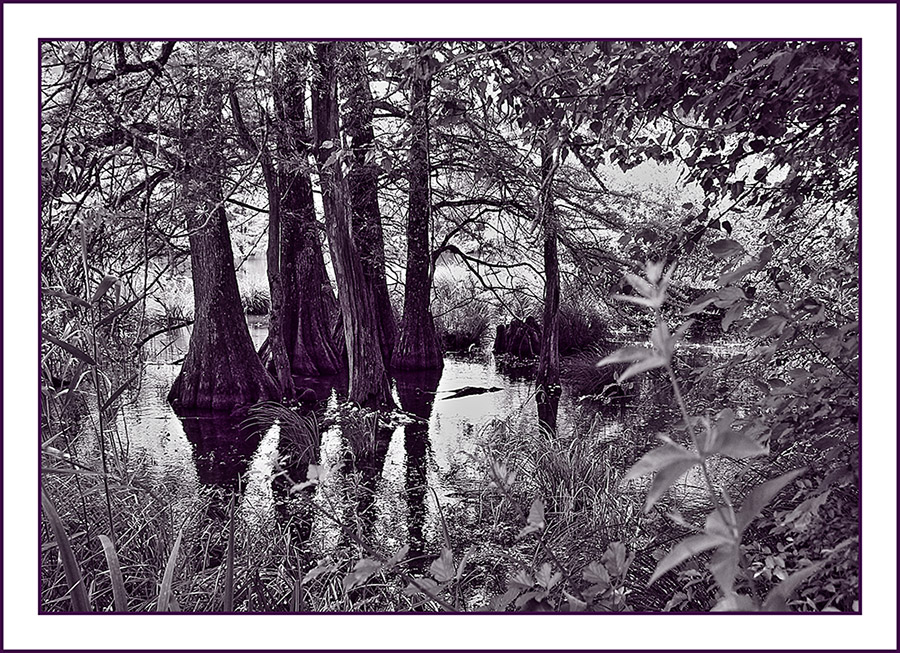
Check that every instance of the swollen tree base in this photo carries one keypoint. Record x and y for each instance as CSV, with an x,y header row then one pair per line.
x,y
418,347
221,373
221,379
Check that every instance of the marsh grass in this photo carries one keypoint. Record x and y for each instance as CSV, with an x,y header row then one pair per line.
x,y
174,303
299,432
255,300
582,374
360,428
581,326
462,315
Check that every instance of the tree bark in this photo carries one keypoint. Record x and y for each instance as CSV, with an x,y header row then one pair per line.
x,y
548,363
369,384
221,369
418,348
310,307
362,182
277,346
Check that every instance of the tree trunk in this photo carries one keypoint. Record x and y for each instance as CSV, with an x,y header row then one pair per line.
x,y
310,305
368,380
277,346
418,348
221,369
548,364
362,182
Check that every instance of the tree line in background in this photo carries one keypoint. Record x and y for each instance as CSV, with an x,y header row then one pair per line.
x,y
155,140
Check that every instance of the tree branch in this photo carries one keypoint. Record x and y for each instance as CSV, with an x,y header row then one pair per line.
x,y
122,67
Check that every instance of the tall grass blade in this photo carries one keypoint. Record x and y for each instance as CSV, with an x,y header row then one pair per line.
x,y
118,393
72,349
166,597
107,283
78,593
229,561
120,597
295,596
124,308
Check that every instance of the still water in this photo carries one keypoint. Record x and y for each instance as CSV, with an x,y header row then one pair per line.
x,y
423,463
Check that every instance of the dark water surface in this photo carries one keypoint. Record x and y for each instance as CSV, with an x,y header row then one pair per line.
x,y
419,466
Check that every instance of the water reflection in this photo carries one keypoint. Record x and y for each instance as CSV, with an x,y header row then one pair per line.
x,y
223,447
416,392
388,482
367,440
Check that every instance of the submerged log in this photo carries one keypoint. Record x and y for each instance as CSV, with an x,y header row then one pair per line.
x,y
470,391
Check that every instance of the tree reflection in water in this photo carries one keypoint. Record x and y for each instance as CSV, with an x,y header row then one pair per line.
x,y
416,392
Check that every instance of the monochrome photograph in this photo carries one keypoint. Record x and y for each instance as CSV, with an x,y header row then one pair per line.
x,y
449,326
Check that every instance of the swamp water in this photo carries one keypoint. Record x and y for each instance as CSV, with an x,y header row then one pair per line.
x,y
425,458
417,477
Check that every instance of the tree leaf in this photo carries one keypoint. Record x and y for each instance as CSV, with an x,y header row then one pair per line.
x,y
500,603
72,349
425,586
739,273
684,550
761,495
442,568
724,567
737,445
535,519
641,301
397,557
615,558
642,286
323,567
596,574
626,355
658,458
722,523
735,603
722,298
649,364
727,296
734,313
777,599
725,247
575,604
665,478
767,326
362,571
521,580
545,576
536,514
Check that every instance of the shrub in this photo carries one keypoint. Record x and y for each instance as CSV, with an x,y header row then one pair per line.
x,y
581,327
175,303
462,317
584,376
740,546
255,298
